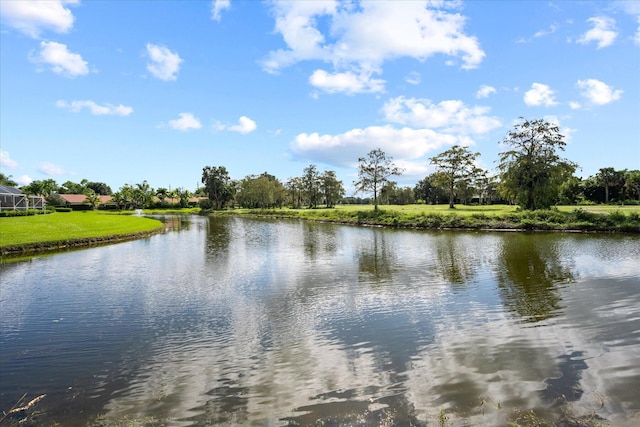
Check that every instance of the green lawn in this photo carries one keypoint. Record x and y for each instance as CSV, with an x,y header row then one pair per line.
x,y
63,226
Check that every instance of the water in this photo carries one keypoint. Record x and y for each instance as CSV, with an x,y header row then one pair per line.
x,y
255,322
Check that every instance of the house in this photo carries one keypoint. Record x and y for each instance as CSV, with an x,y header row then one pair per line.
x,y
78,201
11,198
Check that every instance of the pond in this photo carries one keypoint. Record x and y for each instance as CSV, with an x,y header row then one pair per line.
x,y
263,322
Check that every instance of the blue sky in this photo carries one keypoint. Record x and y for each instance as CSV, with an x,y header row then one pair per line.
x,y
126,91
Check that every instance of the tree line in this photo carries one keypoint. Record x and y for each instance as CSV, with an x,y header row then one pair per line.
x,y
530,173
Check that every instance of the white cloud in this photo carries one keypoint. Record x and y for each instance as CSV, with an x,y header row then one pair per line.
x,y
60,59
163,63
185,122
245,125
217,7
7,161
636,37
343,149
597,92
31,17
50,169
485,91
575,105
96,110
552,29
348,82
603,32
360,38
539,94
413,78
24,180
451,116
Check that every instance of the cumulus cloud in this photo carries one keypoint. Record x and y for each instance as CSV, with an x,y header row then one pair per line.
x,y
603,32
358,40
7,161
217,7
245,125
451,116
539,94
485,91
24,180
597,92
343,149
50,169
96,109
348,82
61,61
32,17
185,122
163,63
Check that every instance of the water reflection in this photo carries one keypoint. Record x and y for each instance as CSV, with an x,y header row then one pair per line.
x,y
455,262
529,272
250,322
375,259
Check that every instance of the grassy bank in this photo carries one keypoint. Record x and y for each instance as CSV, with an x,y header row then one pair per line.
x,y
68,229
492,217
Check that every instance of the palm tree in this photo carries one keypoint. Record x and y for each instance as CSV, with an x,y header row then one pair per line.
x,y
162,194
92,198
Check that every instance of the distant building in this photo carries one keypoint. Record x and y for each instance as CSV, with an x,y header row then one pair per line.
x,y
80,200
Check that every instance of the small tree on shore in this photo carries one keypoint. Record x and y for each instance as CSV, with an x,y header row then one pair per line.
x,y
374,172
454,166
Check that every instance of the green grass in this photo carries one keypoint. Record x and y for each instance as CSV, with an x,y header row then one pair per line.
x,y
66,226
565,218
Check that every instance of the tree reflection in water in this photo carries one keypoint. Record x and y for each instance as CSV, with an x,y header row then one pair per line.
x,y
375,259
529,273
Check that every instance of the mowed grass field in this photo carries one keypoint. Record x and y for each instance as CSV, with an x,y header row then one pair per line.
x,y
63,226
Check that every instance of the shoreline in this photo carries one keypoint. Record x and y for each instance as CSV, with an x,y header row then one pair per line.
x,y
77,243
414,223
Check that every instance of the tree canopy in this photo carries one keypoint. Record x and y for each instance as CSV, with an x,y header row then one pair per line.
x,y
455,167
531,171
374,172
218,185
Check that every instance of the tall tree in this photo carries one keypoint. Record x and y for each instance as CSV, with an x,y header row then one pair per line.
x,y
455,166
162,193
374,171
311,185
632,183
294,191
332,188
531,171
607,178
99,188
218,185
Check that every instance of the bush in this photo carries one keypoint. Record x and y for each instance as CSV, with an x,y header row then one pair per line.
x,y
63,209
23,213
206,204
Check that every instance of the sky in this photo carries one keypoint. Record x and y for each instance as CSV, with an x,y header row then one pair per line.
x,y
127,91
